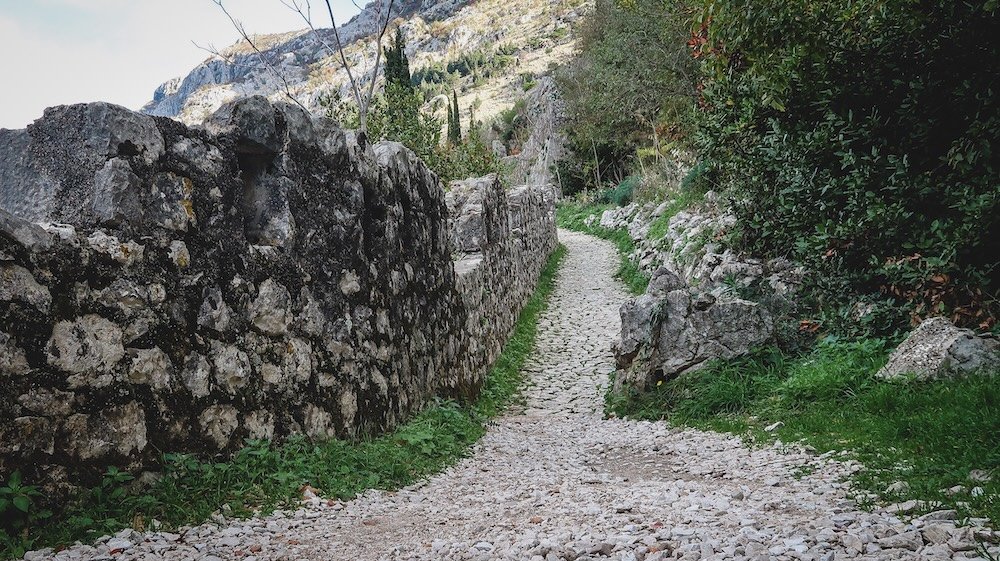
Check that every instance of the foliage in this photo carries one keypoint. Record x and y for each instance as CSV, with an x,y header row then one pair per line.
x,y
631,85
471,157
622,194
929,434
454,120
860,139
511,126
264,475
440,77
397,65
571,215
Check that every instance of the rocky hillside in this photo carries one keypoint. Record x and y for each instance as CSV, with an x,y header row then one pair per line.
x,y
513,41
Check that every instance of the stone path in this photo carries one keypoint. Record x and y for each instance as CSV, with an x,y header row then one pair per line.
x,y
554,481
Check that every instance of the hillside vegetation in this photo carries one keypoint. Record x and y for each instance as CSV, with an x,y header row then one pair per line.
x,y
857,139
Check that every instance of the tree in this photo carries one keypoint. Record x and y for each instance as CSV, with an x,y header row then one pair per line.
x,y
454,121
397,65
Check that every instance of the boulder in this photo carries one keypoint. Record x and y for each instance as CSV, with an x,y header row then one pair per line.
x,y
938,349
673,329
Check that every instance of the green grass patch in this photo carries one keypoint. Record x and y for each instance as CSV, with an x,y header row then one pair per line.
x,y
571,215
264,476
928,434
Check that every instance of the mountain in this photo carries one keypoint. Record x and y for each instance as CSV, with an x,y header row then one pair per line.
x,y
489,51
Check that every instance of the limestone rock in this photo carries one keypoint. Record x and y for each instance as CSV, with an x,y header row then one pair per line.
x,y
468,206
49,169
125,253
218,422
115,431
673,329
251,121
231,366
197,375
937,349
47,402
12,359
150,367
18,285
90,347
271,312
214,312
116,193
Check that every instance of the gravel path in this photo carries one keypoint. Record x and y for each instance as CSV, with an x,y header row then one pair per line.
x,y
553,480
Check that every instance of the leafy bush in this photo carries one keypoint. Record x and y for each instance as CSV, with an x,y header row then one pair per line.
x,y
630,85
622,194
860,139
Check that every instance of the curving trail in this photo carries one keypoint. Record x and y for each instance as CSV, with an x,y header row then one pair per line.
x,y
554,480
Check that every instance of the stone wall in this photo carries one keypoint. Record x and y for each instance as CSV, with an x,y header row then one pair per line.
x,y
169,288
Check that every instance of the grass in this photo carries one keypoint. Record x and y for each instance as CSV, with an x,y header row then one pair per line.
x,y
928,434
265,476
571,215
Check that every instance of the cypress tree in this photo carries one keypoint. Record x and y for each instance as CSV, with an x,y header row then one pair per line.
x,y
397,64
457,131
451,124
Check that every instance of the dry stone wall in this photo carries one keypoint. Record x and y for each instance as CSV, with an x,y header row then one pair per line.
x,y
164,288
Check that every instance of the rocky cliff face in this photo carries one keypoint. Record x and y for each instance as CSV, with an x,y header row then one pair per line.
x,y
541,34
168,288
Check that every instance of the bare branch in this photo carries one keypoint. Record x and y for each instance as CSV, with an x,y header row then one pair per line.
x,y
378,47
306,14
260,54
362,104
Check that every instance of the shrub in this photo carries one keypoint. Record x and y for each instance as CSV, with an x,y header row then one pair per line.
x,y
630,85
860,138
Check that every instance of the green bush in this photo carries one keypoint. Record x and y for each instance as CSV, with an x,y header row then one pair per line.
x,y
630,86
623,193
860,139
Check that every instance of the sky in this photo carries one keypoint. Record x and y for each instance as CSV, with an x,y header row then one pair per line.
x,y
58,52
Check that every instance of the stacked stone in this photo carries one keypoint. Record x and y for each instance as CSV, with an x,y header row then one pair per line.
x,y
170,288
501,241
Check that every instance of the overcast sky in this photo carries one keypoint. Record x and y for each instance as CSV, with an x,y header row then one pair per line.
x,y
55,52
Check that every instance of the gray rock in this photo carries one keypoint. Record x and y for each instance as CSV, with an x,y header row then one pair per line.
x,y
214,312
116,193
49,169
28,235
18,285
937,349
47,402
124,253
12,359
168,204
197,375
665,334
906,540
91,346
218,422
231,367
150,367
271,311
115,431
251,121
468,207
